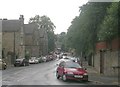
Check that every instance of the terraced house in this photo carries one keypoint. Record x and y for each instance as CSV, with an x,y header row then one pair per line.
x,y
31,40
19,39
12,39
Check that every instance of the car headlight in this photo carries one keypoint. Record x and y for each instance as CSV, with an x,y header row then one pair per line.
x,y
85,74
69,72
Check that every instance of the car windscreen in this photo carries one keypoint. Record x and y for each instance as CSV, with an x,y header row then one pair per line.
x,y
72,65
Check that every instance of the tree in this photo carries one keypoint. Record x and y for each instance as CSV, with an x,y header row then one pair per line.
x,y
109,26
82,34
45,23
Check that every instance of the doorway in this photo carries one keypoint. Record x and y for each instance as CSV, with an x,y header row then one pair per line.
x,y
101,62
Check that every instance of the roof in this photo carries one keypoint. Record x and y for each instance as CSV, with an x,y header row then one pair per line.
x,y
29,28
10,25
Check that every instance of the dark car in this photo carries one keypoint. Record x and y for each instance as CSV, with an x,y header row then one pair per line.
x,y
71,70
21,62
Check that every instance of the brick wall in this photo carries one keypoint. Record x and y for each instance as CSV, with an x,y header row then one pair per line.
x,y
101,45
116,44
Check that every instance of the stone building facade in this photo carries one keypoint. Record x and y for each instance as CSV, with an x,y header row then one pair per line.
x,y
12,39
31,40
18,40
106,59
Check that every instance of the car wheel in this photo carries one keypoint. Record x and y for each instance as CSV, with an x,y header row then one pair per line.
x,y
57,75
5,67
64,77
14,65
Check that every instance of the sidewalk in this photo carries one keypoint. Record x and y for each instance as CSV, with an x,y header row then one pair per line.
x,y
98,78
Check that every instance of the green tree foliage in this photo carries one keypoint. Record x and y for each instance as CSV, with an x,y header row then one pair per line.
x,y
51,41
109,26
82,34
61,40
44,22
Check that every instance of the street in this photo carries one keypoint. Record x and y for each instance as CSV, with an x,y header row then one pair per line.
x,y
35,74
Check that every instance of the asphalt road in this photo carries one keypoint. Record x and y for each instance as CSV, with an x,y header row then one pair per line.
x,y
35,74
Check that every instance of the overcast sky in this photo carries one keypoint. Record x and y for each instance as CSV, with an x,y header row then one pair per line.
x,y
61,12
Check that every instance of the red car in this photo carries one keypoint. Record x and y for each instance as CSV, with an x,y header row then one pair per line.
x,y
71,70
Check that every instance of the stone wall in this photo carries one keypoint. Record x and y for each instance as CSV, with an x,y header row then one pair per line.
x,y
110,63
8,40
97,61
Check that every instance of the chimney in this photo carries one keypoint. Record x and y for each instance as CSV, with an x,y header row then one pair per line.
x,y
21,17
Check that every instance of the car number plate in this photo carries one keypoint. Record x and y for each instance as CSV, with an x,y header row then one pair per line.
x,y
78,76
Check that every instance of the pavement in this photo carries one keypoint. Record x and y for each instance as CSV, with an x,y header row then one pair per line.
x,y
98,78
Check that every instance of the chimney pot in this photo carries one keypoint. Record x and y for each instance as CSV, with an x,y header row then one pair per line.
x,y
21,17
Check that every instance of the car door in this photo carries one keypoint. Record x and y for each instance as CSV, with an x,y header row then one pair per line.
x,y
61,68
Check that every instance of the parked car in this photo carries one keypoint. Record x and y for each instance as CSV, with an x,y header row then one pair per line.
x,y
3,64
44,59
36,60
21,62
63,59
41,60
71,70
33,60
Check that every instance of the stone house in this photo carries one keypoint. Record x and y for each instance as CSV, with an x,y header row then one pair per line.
x,y
106,57
12,39
31,40
36,40
43,41
18,40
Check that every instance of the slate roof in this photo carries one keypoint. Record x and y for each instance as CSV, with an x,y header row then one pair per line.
x,y
29,28
10,25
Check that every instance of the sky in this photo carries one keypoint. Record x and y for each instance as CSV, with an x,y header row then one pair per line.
x,y
61,12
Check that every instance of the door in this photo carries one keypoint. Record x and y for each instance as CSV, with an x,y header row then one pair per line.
x,y
60,69
101,61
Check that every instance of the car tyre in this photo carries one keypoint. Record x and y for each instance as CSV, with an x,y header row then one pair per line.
x,y
14,65
57,75
64,77
5,67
